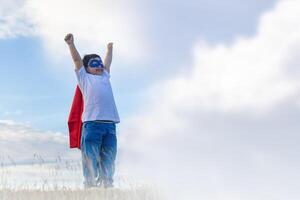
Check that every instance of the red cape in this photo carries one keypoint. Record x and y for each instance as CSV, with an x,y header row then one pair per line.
x,y
74,121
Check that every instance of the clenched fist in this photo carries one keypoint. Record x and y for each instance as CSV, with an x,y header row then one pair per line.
x,y
69,39
110,45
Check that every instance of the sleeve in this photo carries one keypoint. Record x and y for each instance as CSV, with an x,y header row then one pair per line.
x,y
81,76
106,73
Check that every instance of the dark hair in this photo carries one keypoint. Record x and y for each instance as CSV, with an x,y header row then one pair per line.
x,y
87,57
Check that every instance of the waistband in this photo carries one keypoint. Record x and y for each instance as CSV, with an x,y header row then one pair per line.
x,y
104,121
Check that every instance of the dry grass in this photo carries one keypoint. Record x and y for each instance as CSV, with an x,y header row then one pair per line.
x,y
62,179
90,194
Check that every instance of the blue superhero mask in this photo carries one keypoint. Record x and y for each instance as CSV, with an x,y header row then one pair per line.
x,y
95,62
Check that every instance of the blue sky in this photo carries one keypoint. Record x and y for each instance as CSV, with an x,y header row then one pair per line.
x,y
30,93
203,85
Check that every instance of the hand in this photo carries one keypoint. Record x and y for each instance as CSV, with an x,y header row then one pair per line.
x,y
110,45
69,38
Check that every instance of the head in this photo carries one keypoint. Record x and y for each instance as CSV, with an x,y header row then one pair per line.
x,y
93,64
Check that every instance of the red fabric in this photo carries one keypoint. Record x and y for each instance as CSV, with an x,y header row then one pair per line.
x,y
74,121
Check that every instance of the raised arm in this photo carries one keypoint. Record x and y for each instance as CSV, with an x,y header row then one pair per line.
x,y
108,57
74,53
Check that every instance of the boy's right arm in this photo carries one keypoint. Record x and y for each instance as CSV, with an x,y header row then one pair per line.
x,y
74,53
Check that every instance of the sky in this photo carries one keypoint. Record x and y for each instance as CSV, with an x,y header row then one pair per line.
x,y
208,92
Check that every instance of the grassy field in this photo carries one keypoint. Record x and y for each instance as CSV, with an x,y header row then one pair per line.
x,y
62,179
90,194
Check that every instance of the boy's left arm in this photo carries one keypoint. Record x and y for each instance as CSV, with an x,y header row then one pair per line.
x,y
108,57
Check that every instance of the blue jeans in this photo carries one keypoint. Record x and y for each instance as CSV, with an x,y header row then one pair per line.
x,y
98,150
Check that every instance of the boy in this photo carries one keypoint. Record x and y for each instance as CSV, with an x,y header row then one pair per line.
x,y
99,117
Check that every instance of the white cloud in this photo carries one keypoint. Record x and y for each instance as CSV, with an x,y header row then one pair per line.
x,y
251,74
213,127
94,24
21,142
14,19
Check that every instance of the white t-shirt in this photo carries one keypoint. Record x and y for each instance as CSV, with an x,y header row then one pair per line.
x,y
99,103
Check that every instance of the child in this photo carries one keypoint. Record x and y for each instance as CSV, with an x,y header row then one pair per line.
x,y
98,137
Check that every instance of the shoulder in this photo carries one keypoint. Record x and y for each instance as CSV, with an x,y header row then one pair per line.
x,y
106,73
81,74
80,70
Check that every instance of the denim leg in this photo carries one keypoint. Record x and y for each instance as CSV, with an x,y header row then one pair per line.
x,y
108,155
84,159
90,149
